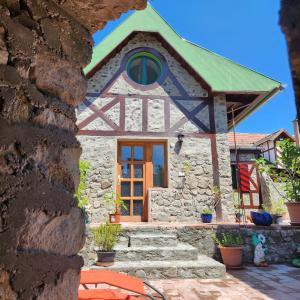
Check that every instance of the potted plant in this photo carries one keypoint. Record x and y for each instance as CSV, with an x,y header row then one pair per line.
x,y
105,238
114,199
289,176
277,209
230,245
206,215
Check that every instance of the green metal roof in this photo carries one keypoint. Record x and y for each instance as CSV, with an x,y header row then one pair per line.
x,y
220,73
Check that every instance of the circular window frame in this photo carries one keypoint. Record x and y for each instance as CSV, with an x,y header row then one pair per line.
x,y
152,54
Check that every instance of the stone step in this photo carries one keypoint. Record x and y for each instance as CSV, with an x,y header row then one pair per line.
x,y
141,253
203,267
153,239
148,229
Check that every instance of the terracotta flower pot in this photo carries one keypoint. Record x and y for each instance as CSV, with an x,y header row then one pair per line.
x,y
232,257
294,212
114,218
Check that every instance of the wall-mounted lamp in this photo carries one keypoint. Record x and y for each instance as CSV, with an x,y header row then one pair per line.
x,y
180,137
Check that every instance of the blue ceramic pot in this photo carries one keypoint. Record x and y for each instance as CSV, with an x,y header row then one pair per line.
x,y
206,218
262,219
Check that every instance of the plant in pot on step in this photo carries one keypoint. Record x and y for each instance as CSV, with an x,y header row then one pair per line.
x,y
105,238
288,175
231,248
114,201
277,209
206,215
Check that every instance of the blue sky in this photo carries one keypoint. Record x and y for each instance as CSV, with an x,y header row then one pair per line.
x,y
246,32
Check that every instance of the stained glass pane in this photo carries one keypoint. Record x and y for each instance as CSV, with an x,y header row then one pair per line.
x,y
138,188
125,210
137,207
138,171
138,153
125,189
125,170
126,153
158,158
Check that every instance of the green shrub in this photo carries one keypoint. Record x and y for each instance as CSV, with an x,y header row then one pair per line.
x,y
276,207
229,239
106,236
290,175
82,199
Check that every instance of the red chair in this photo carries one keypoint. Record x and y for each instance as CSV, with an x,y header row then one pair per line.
x,y
118,280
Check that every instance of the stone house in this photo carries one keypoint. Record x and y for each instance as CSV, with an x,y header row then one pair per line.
x,y
155,120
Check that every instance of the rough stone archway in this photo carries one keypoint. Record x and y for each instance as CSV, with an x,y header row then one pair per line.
x,y
44,44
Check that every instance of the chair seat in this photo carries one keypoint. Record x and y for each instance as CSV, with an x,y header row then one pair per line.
x,y
121,281
104,294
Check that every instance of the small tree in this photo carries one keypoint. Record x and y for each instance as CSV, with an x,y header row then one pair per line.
x,y
289,175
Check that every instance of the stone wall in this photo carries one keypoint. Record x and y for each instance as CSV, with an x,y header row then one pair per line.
x,y
282,241
42,52
187,195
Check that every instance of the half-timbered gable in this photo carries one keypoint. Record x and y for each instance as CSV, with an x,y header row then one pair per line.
x,y
154,129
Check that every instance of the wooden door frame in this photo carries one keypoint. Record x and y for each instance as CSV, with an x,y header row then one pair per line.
x,y
147,173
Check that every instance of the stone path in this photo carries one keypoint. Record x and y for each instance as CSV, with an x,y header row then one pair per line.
x,y
278,282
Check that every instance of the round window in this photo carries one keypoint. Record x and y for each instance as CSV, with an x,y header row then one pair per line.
x,y
144,68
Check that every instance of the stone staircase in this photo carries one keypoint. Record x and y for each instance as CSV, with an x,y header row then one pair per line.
x,y
154,254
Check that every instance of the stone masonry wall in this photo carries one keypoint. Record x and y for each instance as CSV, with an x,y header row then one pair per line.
x,y
186,196
42,52
282,241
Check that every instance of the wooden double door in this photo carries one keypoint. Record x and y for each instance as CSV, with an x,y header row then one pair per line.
x,y
141,165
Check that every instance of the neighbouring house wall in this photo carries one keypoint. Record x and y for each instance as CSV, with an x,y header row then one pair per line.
x,y
185,197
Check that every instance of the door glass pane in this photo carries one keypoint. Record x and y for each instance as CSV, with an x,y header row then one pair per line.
x,y
126,153
138,153
137,189
125,189
125,170
125,211
137,207
138,171
158,158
